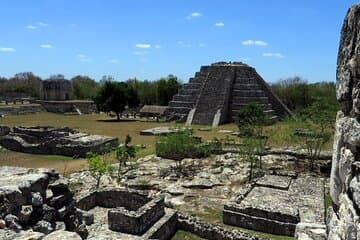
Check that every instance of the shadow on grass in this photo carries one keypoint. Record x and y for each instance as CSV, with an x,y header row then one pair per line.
x,y
117,121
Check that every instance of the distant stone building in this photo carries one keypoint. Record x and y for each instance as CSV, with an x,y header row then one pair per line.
x,y
56,90
217,93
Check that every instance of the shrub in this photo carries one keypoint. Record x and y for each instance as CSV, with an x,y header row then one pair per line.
x,y
251,121
98,167
124,153
317,122
183,144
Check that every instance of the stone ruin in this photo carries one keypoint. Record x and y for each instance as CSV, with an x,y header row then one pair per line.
x,y
56,90
217,93
52,140
277,203
344,219
36,202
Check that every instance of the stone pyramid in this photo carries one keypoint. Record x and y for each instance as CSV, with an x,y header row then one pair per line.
x,y
217,93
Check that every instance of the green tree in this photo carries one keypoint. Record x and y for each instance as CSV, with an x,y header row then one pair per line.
x,y
317,121
251,121
84,87
166,89
247,152
115,96
98,167
124,153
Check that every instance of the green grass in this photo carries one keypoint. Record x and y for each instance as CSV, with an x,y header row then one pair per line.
x,y
182,235
280,135
328,201
53,157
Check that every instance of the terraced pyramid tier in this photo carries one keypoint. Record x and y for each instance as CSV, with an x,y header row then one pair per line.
x,y
217,92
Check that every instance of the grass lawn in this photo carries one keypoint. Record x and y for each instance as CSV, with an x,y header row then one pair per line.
x,y
101,124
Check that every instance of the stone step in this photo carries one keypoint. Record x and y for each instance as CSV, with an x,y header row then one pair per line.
x,y
238,106
196,80
248,93
185,98
181,110
262,100
181,104
192,86
245,80
246,86
188,91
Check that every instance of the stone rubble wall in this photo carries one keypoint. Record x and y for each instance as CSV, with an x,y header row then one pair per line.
x,y
36,200
344,219
210,231
58,141
21,109
85,107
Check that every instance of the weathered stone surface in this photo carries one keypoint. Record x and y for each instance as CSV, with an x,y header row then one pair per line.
x,y
43,227
343,222
160,131
4,130
273,206
307,231
22,235
274,181
60,141
62,235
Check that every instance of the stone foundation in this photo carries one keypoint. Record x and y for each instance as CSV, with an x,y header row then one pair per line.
x,y
21,109
58,141
130,211
276,204
75,106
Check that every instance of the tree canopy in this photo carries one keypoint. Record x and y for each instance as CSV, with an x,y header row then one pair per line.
x,y
116,96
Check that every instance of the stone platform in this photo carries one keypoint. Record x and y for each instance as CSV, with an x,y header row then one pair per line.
x,y
57,141
276,204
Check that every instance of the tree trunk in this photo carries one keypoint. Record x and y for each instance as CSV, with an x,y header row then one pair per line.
x,y
118,116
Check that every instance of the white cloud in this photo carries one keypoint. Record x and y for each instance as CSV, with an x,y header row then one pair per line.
x,y
219,24
31,27
157,46
143,45
275,55
7,49
255,42
37,25
42,24
83,57
139,53
193,15
183,44
201,45
114,61
46,46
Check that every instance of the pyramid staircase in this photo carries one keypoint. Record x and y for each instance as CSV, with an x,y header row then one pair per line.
x,y
218,92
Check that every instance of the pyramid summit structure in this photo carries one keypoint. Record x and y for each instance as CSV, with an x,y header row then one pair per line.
x,y
216,93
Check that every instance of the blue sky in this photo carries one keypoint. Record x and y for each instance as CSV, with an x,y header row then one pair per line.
x,y
149,39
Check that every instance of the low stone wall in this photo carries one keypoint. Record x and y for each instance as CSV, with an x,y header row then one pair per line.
x,y
165,228
85,106
131,211
58,141
21,109
136,222
113,198
210,231
258,223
